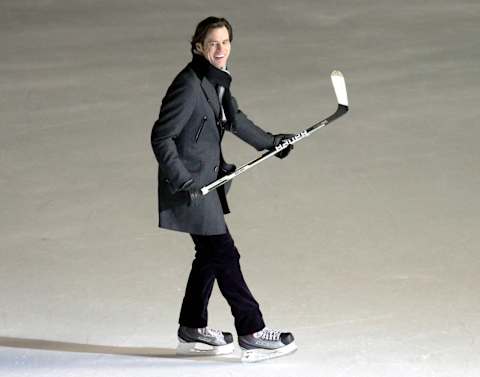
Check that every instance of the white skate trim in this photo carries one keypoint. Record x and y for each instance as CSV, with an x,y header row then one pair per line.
x,y
202,349
261,354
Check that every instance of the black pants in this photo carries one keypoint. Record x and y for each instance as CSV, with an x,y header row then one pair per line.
x,y
217,258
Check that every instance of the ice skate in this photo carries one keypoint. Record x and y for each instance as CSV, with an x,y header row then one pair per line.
x,y
203,342
266,344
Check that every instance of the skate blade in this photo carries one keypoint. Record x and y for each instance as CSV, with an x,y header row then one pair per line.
x,y
259,354
202,349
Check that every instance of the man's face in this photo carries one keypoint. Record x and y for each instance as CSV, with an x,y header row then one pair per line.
x,y
216,47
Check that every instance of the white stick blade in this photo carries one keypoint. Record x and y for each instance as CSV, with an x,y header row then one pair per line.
x,y
338,82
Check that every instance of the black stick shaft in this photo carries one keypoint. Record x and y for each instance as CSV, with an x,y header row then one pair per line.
x,y
341,110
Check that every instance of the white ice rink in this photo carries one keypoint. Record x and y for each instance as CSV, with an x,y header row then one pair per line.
x,y
364,242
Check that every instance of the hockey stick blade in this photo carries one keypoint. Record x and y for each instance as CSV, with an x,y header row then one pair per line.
x,y
338,82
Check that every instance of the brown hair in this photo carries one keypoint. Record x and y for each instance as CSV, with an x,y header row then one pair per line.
x,y
205,26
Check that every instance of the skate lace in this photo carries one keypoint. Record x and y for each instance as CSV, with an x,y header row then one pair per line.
x,y
207,331
269,334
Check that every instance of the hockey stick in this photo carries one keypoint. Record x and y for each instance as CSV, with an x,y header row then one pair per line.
x,y
338,83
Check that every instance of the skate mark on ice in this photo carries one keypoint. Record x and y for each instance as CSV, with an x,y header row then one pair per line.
x,y
348,322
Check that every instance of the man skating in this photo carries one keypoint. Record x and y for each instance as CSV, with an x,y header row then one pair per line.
x,y
196,111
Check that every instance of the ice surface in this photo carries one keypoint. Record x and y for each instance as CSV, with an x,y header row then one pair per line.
x,y
363,242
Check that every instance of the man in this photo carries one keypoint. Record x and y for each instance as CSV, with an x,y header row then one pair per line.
x,y
195,112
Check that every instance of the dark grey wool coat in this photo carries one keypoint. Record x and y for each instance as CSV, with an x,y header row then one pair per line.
x,y
186,142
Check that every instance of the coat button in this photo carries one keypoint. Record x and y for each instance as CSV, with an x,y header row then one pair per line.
x,y
215,169
218,123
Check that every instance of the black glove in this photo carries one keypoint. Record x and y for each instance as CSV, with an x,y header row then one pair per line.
x,y
277,140
192,195
226,169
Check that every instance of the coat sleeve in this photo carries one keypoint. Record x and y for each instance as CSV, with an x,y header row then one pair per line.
x,y
175,111
246,130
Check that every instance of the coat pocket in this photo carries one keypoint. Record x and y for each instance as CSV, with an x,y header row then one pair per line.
x,y
200,128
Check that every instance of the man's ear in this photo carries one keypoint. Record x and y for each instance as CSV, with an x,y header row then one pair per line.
x,y
198,47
